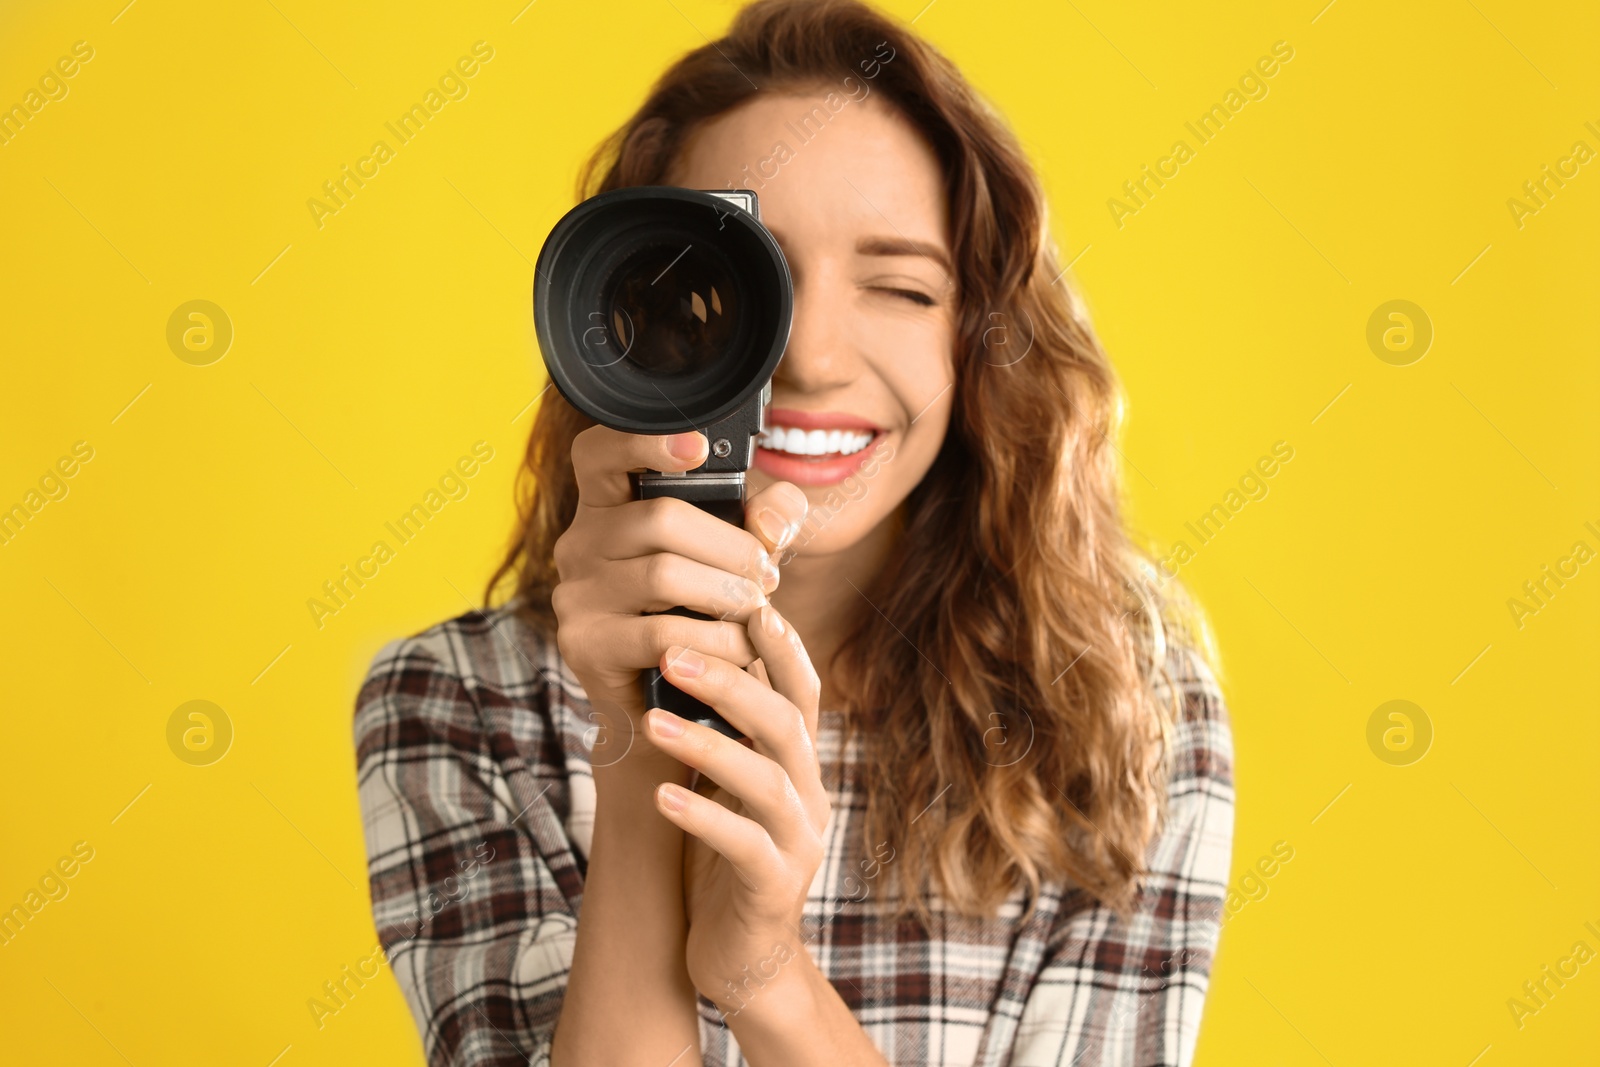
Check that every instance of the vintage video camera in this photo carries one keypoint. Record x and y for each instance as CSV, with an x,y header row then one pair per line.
x,y
662,309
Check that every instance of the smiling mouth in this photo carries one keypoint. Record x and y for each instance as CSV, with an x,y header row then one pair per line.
x,y
820,444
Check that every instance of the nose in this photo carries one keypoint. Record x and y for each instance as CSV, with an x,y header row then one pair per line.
x,y
821,355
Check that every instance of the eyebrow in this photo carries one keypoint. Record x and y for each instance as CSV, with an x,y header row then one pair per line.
x,y
882,245
905,246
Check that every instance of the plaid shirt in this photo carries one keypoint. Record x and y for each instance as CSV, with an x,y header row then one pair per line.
x,y
478,798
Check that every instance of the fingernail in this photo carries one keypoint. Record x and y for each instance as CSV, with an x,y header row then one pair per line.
x,y
687,445
780,533
771,622
665,723
671,796
769,573
685,664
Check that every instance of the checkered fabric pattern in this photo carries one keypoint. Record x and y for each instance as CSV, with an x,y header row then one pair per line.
x,y
472,743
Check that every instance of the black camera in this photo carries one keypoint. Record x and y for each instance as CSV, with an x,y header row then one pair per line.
x,y
658,310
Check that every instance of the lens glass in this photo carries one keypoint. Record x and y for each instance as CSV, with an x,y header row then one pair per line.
x,y
658,310
669,310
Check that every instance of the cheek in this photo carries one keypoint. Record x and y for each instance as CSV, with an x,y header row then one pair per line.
x,y
912,361
921,379
918,373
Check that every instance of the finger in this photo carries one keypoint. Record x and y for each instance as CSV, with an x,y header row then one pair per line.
x,y
776,513
602,458
665,580
765,788
765,715
740,841
788,664
640,641
666,524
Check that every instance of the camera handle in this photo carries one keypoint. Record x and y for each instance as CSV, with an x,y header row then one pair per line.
x,y
722,494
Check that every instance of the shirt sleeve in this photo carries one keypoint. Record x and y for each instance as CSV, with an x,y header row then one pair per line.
x,y
1130,993
474,925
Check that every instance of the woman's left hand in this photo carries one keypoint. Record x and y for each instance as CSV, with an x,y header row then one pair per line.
x,y
754,843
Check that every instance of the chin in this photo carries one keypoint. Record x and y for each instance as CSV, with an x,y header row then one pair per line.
x,y
845,510
835,523
824,538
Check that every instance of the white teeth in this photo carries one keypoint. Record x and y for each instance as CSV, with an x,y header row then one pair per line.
x,y
797,442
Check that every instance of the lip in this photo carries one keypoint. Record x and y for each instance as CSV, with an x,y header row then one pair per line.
x,y
819,420
805,471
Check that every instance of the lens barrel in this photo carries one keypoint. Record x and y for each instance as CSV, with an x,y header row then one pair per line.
x,y
661,309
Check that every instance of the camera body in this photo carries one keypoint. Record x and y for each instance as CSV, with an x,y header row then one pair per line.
x,y
661,309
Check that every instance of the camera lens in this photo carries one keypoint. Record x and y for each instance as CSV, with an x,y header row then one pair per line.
x,y
671,309
661,309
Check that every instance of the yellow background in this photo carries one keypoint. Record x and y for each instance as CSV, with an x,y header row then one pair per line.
x,y
370,353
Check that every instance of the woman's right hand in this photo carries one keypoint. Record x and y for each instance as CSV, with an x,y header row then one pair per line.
x,y
623,557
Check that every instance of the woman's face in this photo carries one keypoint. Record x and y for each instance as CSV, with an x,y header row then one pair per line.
x,y
859,211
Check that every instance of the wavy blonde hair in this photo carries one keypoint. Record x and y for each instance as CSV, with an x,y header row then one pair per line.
x,y
1018,602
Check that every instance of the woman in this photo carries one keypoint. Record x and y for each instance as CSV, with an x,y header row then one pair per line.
x,y
985,811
